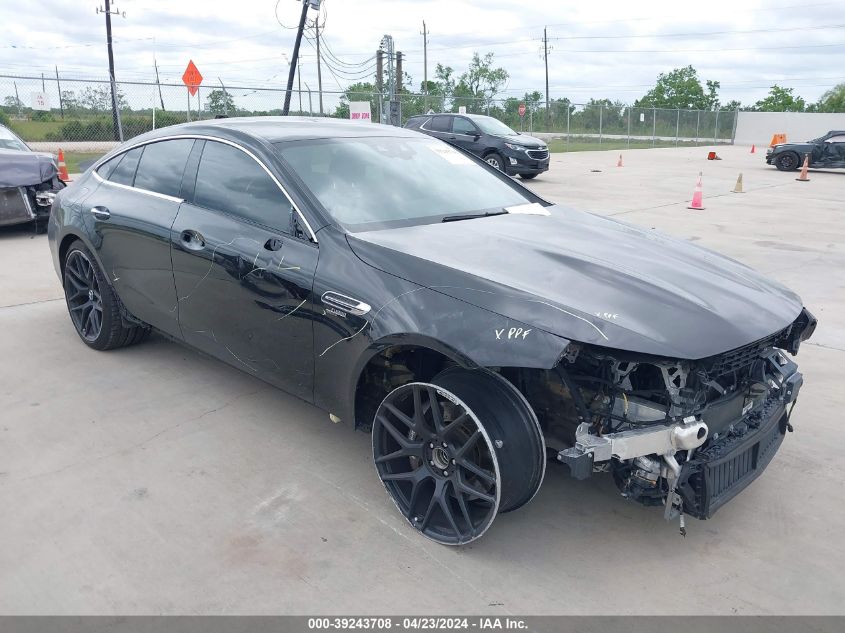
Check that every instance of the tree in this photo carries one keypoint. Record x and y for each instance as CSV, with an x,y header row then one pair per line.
x,y
12,102
220,102
833,100
360,91
99,98
681,88
780,99
733,104
478,85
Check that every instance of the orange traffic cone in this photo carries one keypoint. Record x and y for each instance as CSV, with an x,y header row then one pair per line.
x,y
738,187
712,156
619,162
697,196
803,177
753,149
63,175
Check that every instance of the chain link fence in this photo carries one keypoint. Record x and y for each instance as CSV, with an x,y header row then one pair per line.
x,y
76,114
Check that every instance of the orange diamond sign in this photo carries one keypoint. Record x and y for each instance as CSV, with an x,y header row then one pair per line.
x,y
192,78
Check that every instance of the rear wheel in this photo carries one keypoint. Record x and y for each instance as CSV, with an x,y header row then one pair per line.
x,y
455,452
788,161
92,304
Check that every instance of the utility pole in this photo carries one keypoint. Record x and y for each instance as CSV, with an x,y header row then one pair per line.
x,y
546,59
115,111
299,83
295,59
59,86
319,72
160,97
425,67
380,83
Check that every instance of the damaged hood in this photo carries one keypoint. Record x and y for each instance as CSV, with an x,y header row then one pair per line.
x,y
21,169
589,279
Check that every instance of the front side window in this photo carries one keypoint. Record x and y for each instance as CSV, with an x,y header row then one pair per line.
x,y
161,166
836,139
124,172
8,140
229,180
373,183
463,126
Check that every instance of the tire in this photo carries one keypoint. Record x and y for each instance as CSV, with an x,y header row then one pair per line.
x,y
455,452
788,161
92,304
528,176
495,160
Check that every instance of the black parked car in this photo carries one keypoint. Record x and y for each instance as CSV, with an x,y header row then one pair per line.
x,y
418,293
825,151
488,138
28,182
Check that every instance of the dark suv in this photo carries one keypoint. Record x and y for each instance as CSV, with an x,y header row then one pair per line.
x,y
488,138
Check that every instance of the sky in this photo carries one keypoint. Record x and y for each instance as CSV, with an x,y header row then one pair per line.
x,y
609,49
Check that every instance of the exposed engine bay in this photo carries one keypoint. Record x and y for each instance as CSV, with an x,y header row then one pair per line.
x,y
685,435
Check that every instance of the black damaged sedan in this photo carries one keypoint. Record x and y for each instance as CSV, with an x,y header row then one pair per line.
x,y
415,292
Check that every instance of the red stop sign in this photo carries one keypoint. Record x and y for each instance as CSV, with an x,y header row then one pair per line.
x,y
521,109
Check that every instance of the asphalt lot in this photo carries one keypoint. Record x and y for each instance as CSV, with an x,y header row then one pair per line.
x,y
154,480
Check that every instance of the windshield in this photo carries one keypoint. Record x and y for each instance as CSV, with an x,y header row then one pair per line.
x,y
490,125
10,141
372,183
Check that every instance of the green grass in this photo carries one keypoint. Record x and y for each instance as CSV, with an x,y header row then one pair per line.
x,y
35,130
72,160
560,145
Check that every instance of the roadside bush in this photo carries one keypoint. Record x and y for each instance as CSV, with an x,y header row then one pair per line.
x,y
42,115
4,119
102,129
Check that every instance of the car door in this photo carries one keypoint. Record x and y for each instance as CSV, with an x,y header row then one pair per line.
x,y
466,135
834,151
243,272
133,210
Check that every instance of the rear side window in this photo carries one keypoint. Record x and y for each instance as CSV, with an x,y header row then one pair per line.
x,y
415,122
161,166
231,181
124,171
439,123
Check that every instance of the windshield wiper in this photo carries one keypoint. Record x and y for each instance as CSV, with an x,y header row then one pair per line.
x,y
472,216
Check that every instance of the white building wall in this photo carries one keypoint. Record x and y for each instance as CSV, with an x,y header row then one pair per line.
x,y
758,127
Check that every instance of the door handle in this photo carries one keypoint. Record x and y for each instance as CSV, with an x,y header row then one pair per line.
x,y
193,240
101,213
273,244
452,138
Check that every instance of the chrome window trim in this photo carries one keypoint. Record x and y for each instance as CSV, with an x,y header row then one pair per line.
x,y
203,137
138,189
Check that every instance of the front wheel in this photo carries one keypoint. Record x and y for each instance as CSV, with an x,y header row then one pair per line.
x,y
528,176
494,160
788,161
455,452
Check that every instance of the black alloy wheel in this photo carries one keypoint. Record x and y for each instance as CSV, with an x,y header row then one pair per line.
x,y
93,305
84,299
451,466
788,161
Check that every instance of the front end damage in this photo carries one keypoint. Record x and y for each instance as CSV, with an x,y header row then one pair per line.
x,y
687,435
28,185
